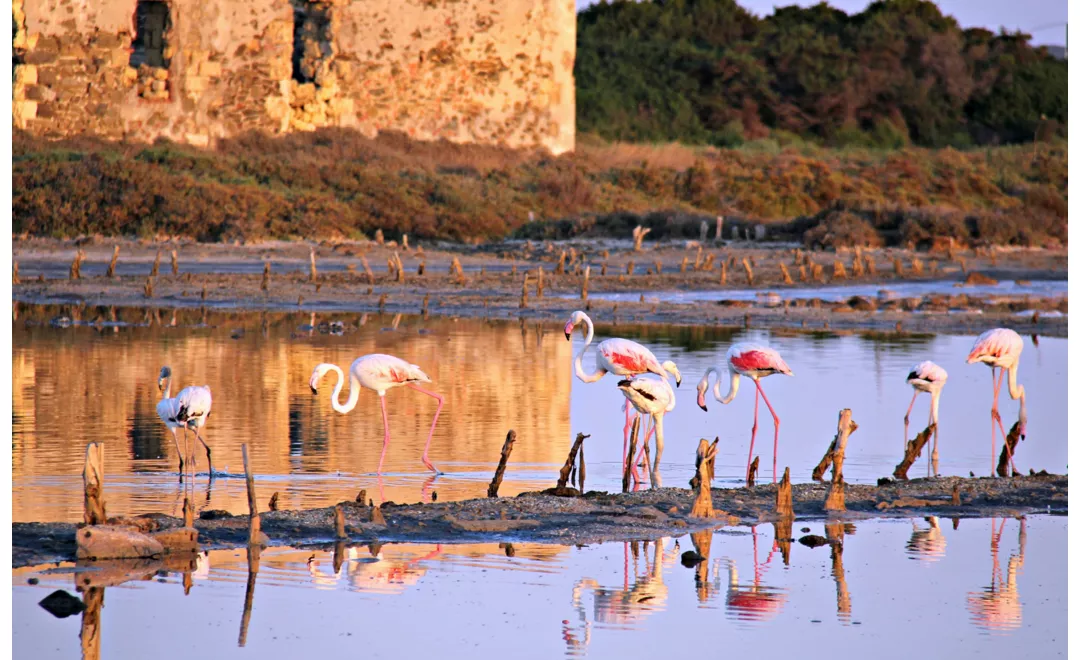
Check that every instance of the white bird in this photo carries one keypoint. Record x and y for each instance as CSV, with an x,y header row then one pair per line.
x,y
655,398
930,378
194,409
1000,348
167,410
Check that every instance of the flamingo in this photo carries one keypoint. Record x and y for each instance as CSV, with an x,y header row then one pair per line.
x,y
755,362
167,410
621,357
1000,349
654,398
193,411
380,373
930,378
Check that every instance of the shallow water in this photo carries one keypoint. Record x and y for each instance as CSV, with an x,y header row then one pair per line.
x,y
900,289
79,384
895,589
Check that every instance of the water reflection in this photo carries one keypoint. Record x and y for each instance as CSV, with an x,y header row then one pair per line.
x,y
927,544
997,608
756,602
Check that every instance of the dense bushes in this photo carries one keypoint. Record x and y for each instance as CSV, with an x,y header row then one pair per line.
x,y
336,183
709,72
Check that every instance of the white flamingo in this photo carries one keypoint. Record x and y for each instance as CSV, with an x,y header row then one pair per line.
x,y
654,398
930,378
379,373
1000,348
167,409
193,411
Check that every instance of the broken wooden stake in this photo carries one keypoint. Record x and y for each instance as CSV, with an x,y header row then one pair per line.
x,y
400,268
377,517
564,473
749,271
361,497
157,265
1008,451
76,265
265,286
148,288
339,523
539,282
111,272
581,469
255,535
912,452
585,284
629,467
273,505
524,292
783,496
845,426
639,236
723,273
175,264
839,272
751,475
15,273
93,484
705,464
786,274
496,481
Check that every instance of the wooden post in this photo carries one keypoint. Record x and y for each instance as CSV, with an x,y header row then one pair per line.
x,y
603,269
838,270
706,457
723,273
148,288
1008,450
719,228
912,451
496,481
157,265
786,274
703,233
524,292
630,267
916,266
313,274
682,266
585,284
382,303
898,266
639,236
857,266
581,469
379,238
76,265
871,266
783,496
564,473
94,484
361,497
367,270
749,271
90,630
658,266
405,242
845,426
802,273
628,469
697,259
15,272
539,282
254,525
266,276
189,513
751,476
339,523
400,268
273,504
111,272
175,264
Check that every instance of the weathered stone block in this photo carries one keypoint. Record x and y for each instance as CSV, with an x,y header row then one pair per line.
x,y
26,74
40,57
210,69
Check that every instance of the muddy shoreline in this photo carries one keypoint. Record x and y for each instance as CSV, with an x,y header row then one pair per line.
x,y
596,517
490,284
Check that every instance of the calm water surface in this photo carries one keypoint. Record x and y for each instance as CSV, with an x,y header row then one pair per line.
x,y
893,589
83,383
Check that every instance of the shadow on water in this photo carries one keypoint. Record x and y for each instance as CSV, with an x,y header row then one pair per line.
x,y
611,598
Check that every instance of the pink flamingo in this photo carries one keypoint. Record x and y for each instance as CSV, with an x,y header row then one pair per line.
x,y
755,362
930,378
654,398
380,373
1000,349
621,357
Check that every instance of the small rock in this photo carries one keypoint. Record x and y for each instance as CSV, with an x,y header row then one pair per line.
x,y
805,530
32,581
691,558
61,604
813,540
884,481
214,514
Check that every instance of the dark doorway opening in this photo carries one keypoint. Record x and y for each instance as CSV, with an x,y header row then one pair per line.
x,y
311,39
152,23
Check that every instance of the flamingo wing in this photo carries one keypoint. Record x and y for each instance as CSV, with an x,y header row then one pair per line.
x,y
996,344
629,357
754,358
927,371
193,403
388,370
167,409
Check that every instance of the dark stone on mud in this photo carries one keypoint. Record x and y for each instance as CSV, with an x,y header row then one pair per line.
x,y
813,540
805,530
32,581
690,559
214,514
61,604
884,481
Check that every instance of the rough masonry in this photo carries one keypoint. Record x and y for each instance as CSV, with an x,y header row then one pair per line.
x,y
195,71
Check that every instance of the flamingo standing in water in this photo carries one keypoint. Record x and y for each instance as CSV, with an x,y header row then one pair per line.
x,y
380,373
193,411
654,398
755,362
167,410
1000,349
621,357
930,378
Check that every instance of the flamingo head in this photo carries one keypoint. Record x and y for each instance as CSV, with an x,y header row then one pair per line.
x,y
702,387
166,374
317,375
670,367
568,329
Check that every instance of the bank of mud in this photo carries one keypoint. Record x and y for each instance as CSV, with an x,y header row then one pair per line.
x,y
596,517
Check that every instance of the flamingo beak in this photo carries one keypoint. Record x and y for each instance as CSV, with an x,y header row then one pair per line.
x,y
314,390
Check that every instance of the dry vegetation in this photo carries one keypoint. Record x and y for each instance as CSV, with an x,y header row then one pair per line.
x,y
336,183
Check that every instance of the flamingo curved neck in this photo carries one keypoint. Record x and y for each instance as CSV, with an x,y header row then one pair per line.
x,y
1017,391
354,391
579,371
168,388
934,397
732,390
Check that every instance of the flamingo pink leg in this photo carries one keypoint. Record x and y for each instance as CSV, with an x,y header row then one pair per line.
x,y
776,427
907,415
386,432
996,416
641,453
753,434
626,436
438,398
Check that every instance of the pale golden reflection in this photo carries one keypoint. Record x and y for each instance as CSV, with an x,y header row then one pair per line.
x,y
997,608
835,532
756,602
927,544
80,384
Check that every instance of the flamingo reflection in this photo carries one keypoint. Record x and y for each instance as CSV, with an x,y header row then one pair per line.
x,y
375,569
927,544
997,608
756,602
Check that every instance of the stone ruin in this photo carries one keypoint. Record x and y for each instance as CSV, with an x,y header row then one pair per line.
x,y
194,71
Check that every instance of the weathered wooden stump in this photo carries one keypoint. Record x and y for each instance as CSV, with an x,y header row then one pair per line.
x,y
706,459
845,426
496,481
1008,451
783,496
912,452
628,469
751,475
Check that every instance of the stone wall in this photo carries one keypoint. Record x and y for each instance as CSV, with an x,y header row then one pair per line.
x,y
483,71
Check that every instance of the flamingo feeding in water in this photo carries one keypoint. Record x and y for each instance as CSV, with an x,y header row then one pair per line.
x,y
379,373
621,357
755,362
654,398
193,410
930,378
1000,349
167,410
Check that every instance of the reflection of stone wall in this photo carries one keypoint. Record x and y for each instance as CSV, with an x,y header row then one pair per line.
x,y
468,71
74,386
